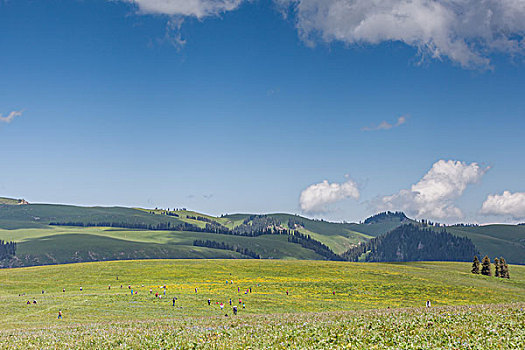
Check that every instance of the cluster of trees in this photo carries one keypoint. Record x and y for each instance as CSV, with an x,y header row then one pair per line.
x,y
412,243
386,215
501,269
134,225
309,243
199,218
226,246
7,249
295,222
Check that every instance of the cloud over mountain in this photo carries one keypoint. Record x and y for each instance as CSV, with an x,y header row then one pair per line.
x,y
505,204
315,198
433,196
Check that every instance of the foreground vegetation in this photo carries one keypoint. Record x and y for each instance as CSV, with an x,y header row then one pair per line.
x,y
301,304
463,327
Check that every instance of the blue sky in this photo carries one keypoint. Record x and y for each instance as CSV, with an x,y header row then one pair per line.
x,y
262,102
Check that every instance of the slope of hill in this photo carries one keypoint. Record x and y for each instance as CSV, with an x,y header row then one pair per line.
x,y
496,240
146,233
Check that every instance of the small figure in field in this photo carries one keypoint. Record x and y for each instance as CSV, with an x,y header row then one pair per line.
x,y
230,301
240,302
243,306
235,310
428,303
238,289
209,302
250,289
164,292
231,282
63,290
174,300
81,289
222,306
34,301
28,302
42,291
117,278
333,292
156,294
109,287
59,314
121,286
195,290
286,292
129,286
150,291
226,281
132,292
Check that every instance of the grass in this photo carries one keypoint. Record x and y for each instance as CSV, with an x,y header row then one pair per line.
x,y
310,284
374,305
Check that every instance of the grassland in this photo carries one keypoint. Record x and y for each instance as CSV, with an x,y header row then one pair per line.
x,y
310,316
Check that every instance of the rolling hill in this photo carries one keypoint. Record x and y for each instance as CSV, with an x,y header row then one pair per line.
x,y
50,234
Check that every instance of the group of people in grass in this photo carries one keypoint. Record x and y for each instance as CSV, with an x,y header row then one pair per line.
x,y
174,300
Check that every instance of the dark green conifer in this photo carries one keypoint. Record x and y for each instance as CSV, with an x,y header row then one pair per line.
x,y
485,266
475,265
496,267
504,269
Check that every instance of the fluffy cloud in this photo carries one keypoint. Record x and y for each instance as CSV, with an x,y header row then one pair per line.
x,y
9,118
465,31
433,196
506,204
384,125
315,198
187,8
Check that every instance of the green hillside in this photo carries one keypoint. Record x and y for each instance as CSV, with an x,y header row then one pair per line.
x,y
134,233
496,240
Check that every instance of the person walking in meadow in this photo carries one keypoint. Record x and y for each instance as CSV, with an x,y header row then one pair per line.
x,y
156,294
222,306
250,289
174,299
81,289
195,290
59,314
428,303
230,301
240,302
235,310
286,292
209,301
243,306
238,289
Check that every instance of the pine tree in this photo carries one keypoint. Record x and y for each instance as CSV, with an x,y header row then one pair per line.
x,y
497,267
485,266
504,269
475,265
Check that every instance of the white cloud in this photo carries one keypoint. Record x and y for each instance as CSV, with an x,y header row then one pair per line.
x,y
315,198
185,8
465,31
9,118
506,204
384,125
433,196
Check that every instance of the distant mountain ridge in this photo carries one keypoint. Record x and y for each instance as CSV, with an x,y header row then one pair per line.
x,y
78,233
